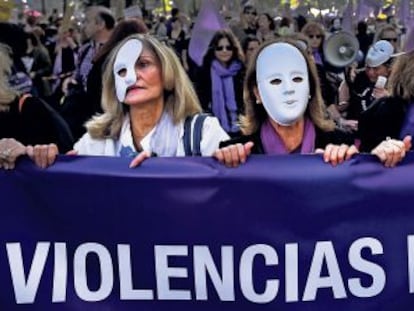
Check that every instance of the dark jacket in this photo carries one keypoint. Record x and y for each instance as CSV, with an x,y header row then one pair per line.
x,y
36,123
384,118
360,95
322,140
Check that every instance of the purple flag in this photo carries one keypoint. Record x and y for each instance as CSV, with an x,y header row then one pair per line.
x,y
206,24
404,12
363,11
374,5
409,38
347,18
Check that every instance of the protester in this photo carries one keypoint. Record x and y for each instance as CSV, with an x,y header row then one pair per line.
x,y
65,52
177,40
364,38
359,92
265,28
39,66
392,117
77,111
27,119
246,25
98,25
220,83
312,37
146,98
285,114
316,36
14,37
388,33
250,45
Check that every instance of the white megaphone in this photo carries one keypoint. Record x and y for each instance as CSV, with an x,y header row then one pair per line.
x,y
341,49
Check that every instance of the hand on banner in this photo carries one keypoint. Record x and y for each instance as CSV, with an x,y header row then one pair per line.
x,y
10,150
43,155
139,159
233,155
337,154
392,151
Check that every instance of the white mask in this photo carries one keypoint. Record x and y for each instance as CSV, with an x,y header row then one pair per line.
x,y
124,67
283,82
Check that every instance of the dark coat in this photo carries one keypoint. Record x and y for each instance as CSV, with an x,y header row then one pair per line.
x,y
36,123
384,118
322,140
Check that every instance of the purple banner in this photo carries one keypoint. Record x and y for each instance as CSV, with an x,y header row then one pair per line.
x,y
278,233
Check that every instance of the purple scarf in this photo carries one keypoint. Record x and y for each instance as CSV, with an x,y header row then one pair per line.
x,y
223,97
317,56
273,144
408,125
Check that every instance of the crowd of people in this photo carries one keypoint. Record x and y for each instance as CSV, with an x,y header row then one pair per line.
x,y
129,88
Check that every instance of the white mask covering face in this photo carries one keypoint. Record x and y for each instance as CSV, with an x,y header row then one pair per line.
x,y
124,67
283,82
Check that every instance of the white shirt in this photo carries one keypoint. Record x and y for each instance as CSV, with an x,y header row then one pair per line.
x,y
212,135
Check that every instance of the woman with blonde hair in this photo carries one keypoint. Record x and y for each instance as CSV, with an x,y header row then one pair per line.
x,y
146,99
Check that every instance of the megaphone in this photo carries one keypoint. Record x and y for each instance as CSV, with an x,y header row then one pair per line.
x,y
341,49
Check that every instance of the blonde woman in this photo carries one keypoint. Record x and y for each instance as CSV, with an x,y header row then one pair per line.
x,y
146,99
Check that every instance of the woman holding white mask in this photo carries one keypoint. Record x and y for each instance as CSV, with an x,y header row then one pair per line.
x,y
284,112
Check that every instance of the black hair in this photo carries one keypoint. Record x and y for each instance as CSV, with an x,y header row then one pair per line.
x,y
174,12
249,7
107,18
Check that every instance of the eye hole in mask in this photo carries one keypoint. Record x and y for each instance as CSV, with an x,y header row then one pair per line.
x,y
276,81
122,72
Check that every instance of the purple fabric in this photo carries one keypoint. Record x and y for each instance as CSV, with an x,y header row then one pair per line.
x,y
408,125
374,4
409,38
84,65
403,12
224,104
317,57
273,144
208,21
347,17
363,10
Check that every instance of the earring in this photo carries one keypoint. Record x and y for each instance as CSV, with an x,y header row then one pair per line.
x,y
258,102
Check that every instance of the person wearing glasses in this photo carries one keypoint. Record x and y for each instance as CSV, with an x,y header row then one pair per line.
x,y
315,35
220,82
389,33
